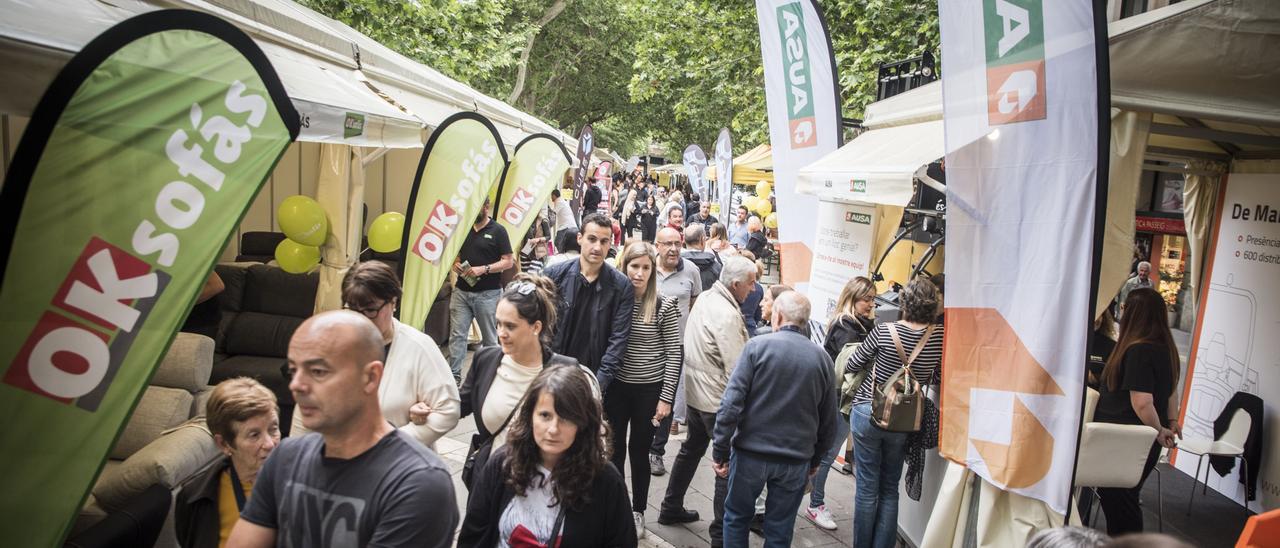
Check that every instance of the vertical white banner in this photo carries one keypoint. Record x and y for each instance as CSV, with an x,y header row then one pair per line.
x,y
1235,347
724,176
803,97
1021,104
695,164
842,250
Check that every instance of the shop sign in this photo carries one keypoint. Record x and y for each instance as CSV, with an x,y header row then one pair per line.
x,y
1160,225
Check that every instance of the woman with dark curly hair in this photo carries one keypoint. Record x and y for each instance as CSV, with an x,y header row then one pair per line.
x,y
552,483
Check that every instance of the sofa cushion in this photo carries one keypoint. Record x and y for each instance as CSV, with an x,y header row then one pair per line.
x,y
271,290
170,460
258,334
187,364
159,409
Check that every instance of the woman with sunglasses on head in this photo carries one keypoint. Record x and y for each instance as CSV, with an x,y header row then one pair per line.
x,y
645,386
500,375
416,379
552,483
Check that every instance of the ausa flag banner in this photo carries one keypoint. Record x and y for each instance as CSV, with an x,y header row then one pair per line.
x,y
724,176
462,161
537,166
802,93
1027,138
586,145
138,162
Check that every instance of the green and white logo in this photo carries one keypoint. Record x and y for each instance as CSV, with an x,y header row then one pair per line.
x,y
799,84
860,218
353,126
858,185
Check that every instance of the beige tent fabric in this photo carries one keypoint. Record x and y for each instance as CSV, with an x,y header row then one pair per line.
x,y
1199,198
1129,131
341,193
1255,166
1000,518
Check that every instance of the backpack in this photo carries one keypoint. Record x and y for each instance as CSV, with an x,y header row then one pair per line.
x,y
898,404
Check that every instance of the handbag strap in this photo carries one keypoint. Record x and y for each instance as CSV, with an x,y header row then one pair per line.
x,y
902,354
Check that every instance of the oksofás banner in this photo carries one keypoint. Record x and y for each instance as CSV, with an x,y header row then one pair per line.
x,y
1023,104
462,161
138,162
1235,354
803,96
537,165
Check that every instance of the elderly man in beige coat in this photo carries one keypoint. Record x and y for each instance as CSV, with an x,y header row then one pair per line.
x,y
713,339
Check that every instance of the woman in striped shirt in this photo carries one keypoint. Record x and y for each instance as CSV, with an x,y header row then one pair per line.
x,y
879,455
644,388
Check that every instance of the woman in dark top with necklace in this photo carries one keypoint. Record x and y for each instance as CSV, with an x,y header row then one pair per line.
x,y
1137,388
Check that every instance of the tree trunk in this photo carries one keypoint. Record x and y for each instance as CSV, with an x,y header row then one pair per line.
x,y
523,69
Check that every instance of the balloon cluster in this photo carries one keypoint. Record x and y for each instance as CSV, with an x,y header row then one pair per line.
x,y
760,204
305,226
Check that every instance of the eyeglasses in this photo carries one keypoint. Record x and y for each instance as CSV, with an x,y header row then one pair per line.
x,y
667,244
521,287
370,313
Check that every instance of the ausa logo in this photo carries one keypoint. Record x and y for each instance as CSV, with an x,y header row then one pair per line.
x,y
353,126
858,185
860,218
1014,31
799,84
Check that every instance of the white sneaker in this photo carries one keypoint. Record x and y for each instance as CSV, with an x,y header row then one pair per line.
x,y
639,523
820,517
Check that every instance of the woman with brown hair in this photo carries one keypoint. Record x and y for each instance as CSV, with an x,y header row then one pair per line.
x,y
552,483
645,386
1137,387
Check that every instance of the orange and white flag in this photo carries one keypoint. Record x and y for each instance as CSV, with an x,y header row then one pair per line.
x,y
1022,104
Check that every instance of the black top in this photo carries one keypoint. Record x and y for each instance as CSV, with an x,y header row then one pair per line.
x,y
582,325
1144,368
195,511
604,523
845,330
610,314
591,199
1099,353
484,247
757,244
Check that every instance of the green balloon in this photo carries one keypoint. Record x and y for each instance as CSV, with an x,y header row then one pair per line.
x,y
296,258
303,220
386,231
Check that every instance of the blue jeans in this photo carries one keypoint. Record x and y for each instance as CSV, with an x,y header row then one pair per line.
x,y
748,475
818,496
878,457
465,306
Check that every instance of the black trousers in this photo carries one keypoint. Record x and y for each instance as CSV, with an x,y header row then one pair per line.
x,y
1124,515
663,433
701,425
630,407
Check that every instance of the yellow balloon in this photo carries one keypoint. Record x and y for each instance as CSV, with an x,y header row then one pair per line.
x,y
296,258
763,188
750,202
763,207
303,220
771,221
386,232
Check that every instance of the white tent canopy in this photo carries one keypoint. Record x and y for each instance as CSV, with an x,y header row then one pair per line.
x,y
327,68
877,167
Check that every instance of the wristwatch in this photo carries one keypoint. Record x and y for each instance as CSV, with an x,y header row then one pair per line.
x,y
486,269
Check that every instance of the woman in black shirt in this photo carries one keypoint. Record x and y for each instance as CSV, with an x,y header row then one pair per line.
x,y
1137,388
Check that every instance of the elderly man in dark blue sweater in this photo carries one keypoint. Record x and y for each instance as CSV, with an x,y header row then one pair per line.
x,y
778,414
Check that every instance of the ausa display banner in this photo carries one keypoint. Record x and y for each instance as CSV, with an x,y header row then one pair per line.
x,y
462,161
695,166
138,162
1022,102
803,97
724,176
842,250
537,165
586,144
1235,348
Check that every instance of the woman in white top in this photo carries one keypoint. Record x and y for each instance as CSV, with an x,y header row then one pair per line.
x,y
415,371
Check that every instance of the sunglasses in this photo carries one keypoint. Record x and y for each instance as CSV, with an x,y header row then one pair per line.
x,y
521,287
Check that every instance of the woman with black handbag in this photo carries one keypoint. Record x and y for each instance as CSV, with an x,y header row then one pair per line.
x,y
500,375
905,353
552,484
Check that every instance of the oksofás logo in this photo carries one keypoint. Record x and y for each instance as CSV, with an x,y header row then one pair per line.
x,y
1014,31
799,84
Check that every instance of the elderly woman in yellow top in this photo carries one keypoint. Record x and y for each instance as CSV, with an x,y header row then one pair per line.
x,y
416,374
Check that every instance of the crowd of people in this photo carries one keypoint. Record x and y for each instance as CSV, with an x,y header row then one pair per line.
x,y
592,357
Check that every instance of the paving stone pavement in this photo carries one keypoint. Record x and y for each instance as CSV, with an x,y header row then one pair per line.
x,y
453,449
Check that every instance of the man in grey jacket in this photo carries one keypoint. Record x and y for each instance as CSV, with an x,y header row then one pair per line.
x,y
779,414
713,339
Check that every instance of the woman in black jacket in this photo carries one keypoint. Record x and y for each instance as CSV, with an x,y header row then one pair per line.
x,y
552,483
649,219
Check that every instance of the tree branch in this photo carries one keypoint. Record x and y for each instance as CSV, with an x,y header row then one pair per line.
x,y
523,70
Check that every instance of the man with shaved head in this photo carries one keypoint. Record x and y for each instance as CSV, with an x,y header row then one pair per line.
x,y
355,480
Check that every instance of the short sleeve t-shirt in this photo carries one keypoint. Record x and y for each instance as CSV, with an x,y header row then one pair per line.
x,y
1144,368
684,284
397,493
483,247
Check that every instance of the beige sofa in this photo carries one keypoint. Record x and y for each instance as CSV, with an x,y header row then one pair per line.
x,y
165,441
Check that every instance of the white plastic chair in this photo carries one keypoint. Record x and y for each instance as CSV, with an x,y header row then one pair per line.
x,y
1230,445
1113,455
